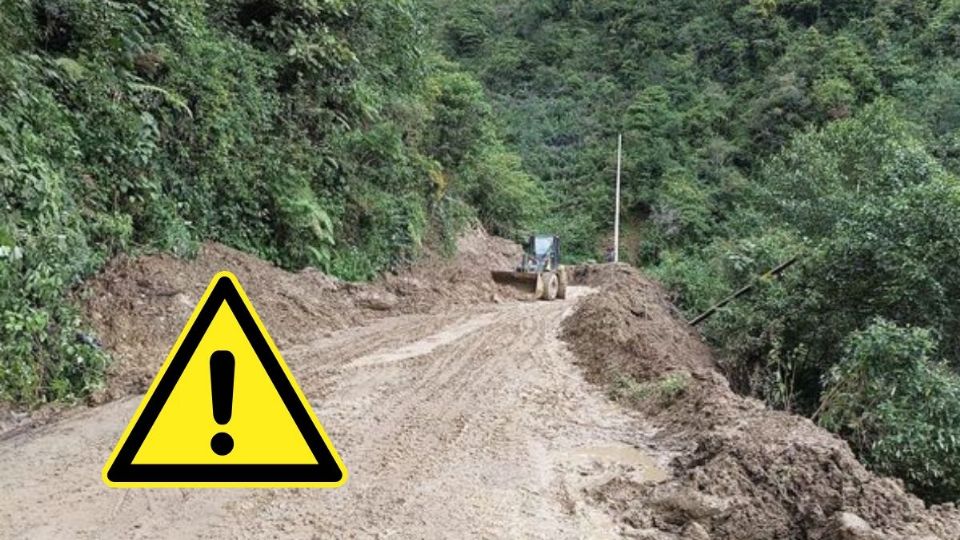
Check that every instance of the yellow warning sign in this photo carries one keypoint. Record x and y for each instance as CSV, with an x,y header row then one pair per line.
x,y
224,410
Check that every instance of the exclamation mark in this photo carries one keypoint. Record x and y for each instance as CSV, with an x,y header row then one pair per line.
x,y
222,367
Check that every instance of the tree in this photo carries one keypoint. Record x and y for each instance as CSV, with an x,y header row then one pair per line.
x,y
898,407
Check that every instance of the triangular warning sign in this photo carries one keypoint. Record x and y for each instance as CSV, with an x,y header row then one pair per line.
x,y
224,410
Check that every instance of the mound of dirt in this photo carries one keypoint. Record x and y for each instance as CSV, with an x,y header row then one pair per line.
x,y
746,472
138,306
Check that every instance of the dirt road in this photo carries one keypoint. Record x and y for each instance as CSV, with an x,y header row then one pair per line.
x,y
474,423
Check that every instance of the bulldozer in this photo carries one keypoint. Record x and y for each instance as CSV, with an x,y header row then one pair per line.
x,y
539,271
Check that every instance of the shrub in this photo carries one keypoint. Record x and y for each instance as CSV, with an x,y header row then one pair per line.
x,y
307,133
899,408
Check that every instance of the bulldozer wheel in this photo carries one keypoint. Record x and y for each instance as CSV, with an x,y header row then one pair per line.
x,y
551,286
562,289
540,289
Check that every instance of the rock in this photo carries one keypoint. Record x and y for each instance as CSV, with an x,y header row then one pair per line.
x,y
377,301
694,531
849,526
87,339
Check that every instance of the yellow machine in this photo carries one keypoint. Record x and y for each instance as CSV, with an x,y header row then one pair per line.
x,y
540,271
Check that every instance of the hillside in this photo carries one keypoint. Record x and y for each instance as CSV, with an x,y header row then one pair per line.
x,y
756,132
329,135
350,142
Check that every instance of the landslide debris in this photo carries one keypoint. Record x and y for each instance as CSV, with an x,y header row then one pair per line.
x,y
746,472
138,305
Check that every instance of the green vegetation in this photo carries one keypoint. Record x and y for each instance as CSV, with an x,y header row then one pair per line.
x,y
898,408
347,135
756,131
326,133
663,391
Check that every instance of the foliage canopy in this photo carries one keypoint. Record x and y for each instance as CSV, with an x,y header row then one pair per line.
x,y
756,131
314,133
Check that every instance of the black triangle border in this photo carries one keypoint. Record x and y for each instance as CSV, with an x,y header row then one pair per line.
x,y
327,469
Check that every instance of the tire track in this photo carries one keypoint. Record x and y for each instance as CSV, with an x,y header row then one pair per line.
x,y
467,424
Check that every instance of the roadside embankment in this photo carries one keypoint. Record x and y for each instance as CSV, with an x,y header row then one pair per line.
x,y
746,471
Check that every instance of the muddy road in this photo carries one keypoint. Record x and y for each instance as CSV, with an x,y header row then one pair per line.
x,y
469,423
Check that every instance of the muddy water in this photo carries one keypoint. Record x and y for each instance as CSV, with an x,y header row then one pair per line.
x,y
646,468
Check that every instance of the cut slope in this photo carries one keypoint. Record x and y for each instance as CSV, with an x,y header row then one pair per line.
x,y
748,472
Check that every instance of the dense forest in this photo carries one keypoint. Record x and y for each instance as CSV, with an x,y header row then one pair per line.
x,y
327,134
754,132
347,135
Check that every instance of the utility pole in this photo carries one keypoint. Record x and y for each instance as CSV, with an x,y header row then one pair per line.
x,y
616,211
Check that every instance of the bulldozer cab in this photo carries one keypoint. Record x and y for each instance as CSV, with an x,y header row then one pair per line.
x,y
540,271
542,254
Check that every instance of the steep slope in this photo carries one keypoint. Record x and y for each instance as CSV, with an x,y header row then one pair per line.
x,y
757,132
744,471
324,134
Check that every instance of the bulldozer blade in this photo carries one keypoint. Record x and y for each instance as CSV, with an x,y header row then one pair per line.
x,y
525,281
515,278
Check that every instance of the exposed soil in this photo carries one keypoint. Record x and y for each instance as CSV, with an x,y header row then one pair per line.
x,y
137,304
747,472
461,412
462,421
